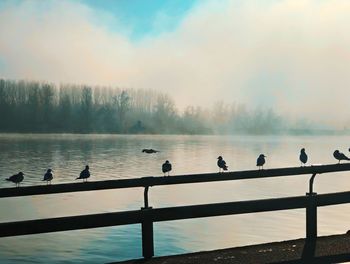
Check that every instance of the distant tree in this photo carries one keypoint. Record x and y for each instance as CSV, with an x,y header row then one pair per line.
x,y
122,104
86,110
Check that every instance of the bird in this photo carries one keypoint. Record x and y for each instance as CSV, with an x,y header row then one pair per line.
x,y
84,174
150,151
221,164
17,178
166,167
261,161
48,176
339,156
303,157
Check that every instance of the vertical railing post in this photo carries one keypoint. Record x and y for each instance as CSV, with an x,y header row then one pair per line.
x,y
147,234
311,217
311,212
147,228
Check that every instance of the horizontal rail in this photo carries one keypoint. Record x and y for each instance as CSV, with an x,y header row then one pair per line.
x,y
165,214
179,179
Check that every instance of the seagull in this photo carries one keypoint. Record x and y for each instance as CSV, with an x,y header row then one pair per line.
x,y
166,167
48,176
84,174
303,157
150,151
261,161
221,164
17,178
339,156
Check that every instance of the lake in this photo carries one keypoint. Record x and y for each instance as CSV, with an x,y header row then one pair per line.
x,y
120,157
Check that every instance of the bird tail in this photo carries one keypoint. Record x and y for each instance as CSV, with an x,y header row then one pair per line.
x,y
8,179
225,167
78,178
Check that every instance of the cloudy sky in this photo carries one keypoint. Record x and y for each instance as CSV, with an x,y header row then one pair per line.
x,y
290,55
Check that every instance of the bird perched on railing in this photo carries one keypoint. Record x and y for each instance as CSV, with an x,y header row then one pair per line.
x,y
166,167
339,156
84,174
150,151
48,176
261,161
303,157
221,164
17,178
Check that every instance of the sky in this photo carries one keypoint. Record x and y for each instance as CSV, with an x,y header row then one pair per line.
x,y
290,55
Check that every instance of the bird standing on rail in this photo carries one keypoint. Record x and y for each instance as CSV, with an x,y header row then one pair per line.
x,y
339,156
303,157
84,174
222,164
166,167
261,161
17,178
48,176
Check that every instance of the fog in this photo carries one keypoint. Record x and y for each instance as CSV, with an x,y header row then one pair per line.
x,y
291,56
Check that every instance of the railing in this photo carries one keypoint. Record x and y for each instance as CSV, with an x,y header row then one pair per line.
x,y
146,216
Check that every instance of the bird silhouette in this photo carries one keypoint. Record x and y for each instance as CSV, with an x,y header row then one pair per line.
x,y
48,176
166,167
84,174
339,156
222,164
303,157
260,161
17,178
150,151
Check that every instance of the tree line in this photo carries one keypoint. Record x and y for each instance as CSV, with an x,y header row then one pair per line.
x,y
42,107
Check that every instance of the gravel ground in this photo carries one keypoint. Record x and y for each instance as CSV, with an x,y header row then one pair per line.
x,y
328,249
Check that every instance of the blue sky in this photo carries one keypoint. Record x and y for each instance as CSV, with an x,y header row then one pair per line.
x,y
143,17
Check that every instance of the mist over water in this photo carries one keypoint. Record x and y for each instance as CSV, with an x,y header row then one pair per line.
x,y
118,156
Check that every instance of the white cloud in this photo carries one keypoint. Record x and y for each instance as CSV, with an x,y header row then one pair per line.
x,y
291,54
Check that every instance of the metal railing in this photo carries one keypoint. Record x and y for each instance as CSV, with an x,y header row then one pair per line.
x,y
146,216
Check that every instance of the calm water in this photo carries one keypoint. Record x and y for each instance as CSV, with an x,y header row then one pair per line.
x,y
117,157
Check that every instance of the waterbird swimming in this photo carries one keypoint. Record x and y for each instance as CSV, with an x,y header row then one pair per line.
x,y
17,178
166,167
303,157
260,161
48,176
84,174
221,164
339,156
150,151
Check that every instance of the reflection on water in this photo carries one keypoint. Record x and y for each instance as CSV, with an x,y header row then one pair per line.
x,y
116,157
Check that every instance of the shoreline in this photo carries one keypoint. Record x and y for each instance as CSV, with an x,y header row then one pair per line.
x,y
327,249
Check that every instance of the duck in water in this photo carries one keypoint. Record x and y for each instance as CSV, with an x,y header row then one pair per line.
x,y
150,151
